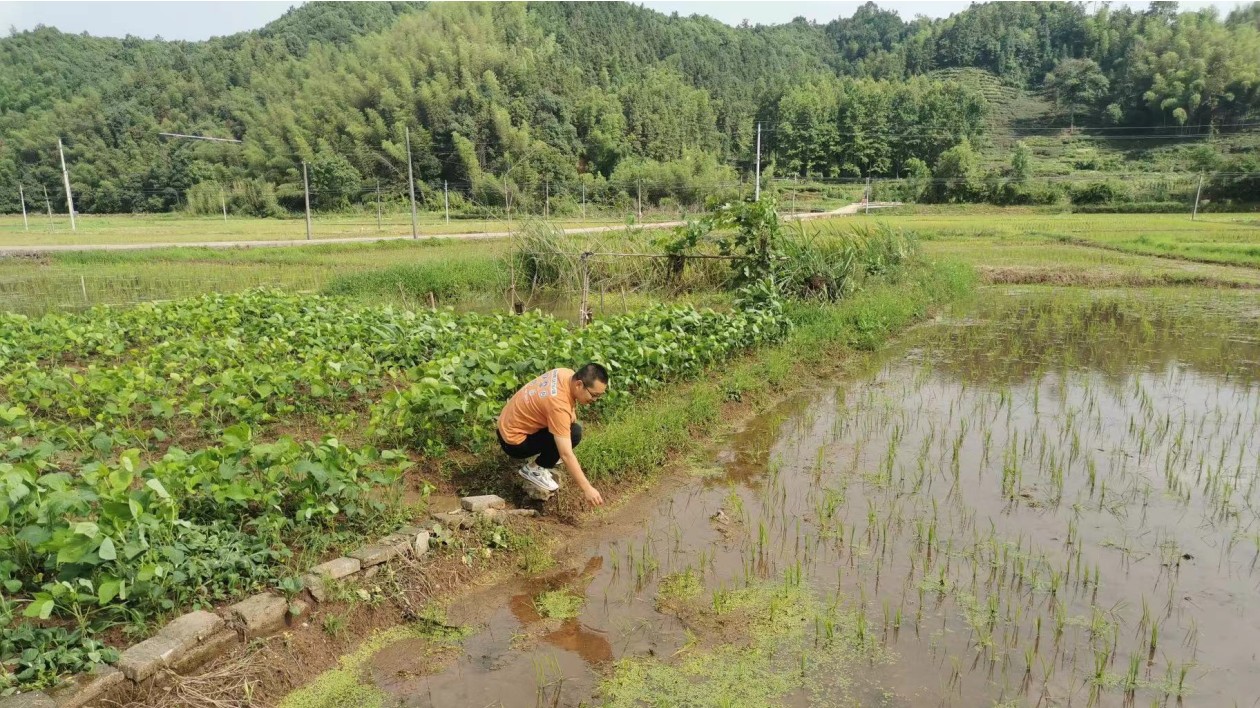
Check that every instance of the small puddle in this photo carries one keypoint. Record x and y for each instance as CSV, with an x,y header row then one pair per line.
x,y
1044,499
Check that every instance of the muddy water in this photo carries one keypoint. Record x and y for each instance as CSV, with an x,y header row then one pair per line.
x,y
1045,498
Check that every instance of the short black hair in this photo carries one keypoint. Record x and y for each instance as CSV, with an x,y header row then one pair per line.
x,y
590,373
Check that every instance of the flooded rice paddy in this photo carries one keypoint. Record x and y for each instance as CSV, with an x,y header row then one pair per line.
x,y
1047,497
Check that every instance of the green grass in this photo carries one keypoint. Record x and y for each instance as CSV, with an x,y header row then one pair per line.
x,y
182,228
558,604
342,687
76,280
991,236
778,651
637,441
403,272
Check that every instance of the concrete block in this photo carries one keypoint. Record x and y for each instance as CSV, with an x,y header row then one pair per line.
x,y
214,645
81,689
337,567
260,614
317,586
385,549
400,541
376,553
455,519
189,630
143,660
317,579
36,699
420,544
481,503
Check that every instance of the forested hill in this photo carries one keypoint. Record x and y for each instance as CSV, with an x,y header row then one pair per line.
x,y
582,91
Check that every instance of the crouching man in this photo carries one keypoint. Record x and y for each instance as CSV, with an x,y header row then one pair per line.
x,y
540,421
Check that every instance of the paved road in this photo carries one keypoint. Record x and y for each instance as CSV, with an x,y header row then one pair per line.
x,y
35,250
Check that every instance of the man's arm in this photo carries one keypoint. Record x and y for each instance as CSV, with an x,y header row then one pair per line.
x,y
565,447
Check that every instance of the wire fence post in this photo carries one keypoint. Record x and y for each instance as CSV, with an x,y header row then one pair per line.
x,y
795,182
584,311
757,193
223,203
546,199
48,203
65,175
1197,193
867,200
306,190
378,205
639,200
446,199
26,225
411,183
583,201
83,288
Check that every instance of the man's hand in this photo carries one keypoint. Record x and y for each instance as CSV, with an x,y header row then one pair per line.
x,y
592,496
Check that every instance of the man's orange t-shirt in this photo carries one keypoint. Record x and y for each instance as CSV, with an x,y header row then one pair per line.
x,y
544,403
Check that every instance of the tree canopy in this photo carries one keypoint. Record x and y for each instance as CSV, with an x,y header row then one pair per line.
x,y
500,97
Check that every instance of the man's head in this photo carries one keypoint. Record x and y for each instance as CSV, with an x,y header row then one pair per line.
x,y
590,383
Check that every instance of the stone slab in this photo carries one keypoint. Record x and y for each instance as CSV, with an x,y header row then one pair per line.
x,y
190,629
420,544
35,699
400,541
316,580
297,608
481,503
377,553
455,519
143,660
385,549
214,645
81,689
260,614
337,567
317,587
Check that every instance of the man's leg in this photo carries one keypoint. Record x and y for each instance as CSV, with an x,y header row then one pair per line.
x,y
529,447
542,444
545,443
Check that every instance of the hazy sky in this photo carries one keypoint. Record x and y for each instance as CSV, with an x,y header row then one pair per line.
x,y
202,19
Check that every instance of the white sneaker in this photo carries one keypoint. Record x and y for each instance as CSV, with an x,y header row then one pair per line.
x,y
538,476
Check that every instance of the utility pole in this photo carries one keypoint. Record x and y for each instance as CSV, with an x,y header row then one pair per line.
x,y
378,205
546,199
306,189
411,183
223,202
446,199
795,185
757,192
639,201
507,202
868,195
65,176
26,225
1197,193
583,201
48,204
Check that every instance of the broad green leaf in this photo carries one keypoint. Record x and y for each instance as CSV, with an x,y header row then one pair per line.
x,y
42,609
157,487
